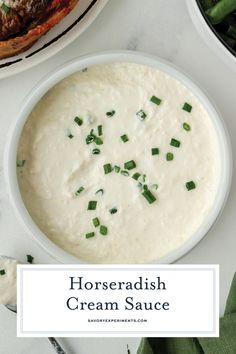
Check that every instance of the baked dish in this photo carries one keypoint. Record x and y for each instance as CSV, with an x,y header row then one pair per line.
x,y
23,22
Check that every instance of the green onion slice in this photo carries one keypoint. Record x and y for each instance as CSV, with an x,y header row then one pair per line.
x,y
136,176
107,168
129,165
187,107
124,138
169,156
90,234
186,127
100,191
79,191
20,163
190,185
99,130
149,196
155,100
78,120
2,272
29,258
155,151
154,186
70,135
103,230
110,113
124,173
141,114
96,151
5,8
113,210
92,205
116,169
96,222
174,142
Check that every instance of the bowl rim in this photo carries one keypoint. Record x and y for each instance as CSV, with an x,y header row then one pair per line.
x,y
10,153
209,34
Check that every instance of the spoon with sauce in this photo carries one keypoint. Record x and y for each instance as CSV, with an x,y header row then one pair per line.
x,y
8,292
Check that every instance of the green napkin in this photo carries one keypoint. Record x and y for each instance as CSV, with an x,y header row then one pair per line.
x,y
225,344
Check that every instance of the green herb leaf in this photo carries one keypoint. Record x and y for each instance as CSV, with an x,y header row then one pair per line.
x,y
141,114
149,196
129,165
169,156
103,230
92,205
155,100
107,168
30,259
186,127
90,234
190,185
110,113
155,151
175,143
78,120
2,272
187,107
96,222
124,138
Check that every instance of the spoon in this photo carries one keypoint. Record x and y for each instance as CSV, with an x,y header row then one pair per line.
x,y
52,340
58,349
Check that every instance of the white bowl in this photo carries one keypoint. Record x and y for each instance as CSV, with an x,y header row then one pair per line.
x,y
78,64
208,34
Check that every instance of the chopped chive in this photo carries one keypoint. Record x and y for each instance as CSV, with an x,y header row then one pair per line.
x,y
2,272
84,70
110,113
70,135
145,187
187,107
113,210
90,234
129,165
143,178
78,120
98,140
101,191
124,138
124,173
169,156
89,139
136,176
92,205
5,8
103,230
116,169
79,191
20,163
155,151
141,114
96,222
96,151
186,126
190,185
107,168
175,143
154,186
155,100
149,196
99,130
29,258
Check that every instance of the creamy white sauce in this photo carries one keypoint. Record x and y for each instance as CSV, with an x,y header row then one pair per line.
x,y
8,281
56,166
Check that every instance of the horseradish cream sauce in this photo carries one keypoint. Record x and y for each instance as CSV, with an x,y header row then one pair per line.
x,y
119,163
7,281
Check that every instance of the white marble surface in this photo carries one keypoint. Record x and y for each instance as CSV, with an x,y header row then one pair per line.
x,y
163,28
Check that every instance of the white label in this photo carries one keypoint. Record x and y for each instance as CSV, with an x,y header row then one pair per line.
x,y
109,300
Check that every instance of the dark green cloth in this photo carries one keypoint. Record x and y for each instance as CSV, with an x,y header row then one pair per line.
x,y
225,344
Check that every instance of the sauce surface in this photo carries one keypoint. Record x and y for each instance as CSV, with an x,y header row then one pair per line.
x,y
7,281
175,151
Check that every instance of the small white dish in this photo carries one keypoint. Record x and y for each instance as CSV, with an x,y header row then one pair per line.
x,y
209,36
100,58
71,27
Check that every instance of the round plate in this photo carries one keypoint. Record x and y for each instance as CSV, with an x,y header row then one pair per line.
x,y
56,39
